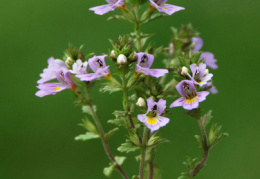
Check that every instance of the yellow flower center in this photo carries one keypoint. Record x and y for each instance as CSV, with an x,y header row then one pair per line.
x,y
57,88
191,100
200,82
164,7
152,121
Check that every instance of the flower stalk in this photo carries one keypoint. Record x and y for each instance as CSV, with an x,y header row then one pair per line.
x,y
102,136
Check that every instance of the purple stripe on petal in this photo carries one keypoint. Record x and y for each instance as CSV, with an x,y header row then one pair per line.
x,y
163,121
169,9
148,59
178,102
179,86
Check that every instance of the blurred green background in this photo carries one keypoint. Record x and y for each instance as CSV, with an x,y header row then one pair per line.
x,y
37,134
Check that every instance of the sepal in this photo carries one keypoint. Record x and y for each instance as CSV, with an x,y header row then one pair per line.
x,y
87,136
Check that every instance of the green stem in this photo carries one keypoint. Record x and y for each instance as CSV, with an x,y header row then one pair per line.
x,y
138,28
143,152
102,135
206,148
126,102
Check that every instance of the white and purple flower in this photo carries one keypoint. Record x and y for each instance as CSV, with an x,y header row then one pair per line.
x,y
144,63
98,65
209,59
49,73
79,67
190,98
165,8
200,74
103,9
65,82
153,119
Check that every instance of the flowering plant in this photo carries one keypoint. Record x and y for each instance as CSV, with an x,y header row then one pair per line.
x,y
185,81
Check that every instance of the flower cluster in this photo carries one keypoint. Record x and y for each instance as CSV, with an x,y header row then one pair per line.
x,y
186,78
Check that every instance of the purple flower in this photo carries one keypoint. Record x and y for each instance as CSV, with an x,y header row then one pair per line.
x,y
79,68
49,73
98,65
198,43
166,8
213,89
209,59
103,9
144,63
65,82
153,119
199,74
190,98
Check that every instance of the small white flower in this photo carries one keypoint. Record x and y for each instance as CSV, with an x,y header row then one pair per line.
x,y
121,59
141,102
184,71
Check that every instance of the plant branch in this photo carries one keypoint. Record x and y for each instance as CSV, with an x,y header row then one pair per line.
x,y
102,135
206,148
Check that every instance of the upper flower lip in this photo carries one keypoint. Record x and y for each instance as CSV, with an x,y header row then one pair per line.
x,y
49,73
144,63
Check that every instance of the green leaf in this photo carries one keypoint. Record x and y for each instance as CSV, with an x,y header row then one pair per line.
x,y
155,140
87,136
215,135
110,133
134,137
87,109
120,160
118,122
206,118
109,170
127,147
87,124
135,177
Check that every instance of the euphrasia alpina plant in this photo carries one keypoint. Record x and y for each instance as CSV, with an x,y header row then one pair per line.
x,y
185,81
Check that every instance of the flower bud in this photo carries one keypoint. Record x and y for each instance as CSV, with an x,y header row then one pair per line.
x,y
112,54
69,62
121,59
171,49
206,72
141,102
184,71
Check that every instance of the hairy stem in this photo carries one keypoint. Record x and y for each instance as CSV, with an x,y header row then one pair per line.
x,y
206,148
143,152
104,142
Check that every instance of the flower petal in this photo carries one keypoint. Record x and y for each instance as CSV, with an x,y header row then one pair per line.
x,y
103,9
178,102
209,59
161,105
202,95
198,43
141,117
